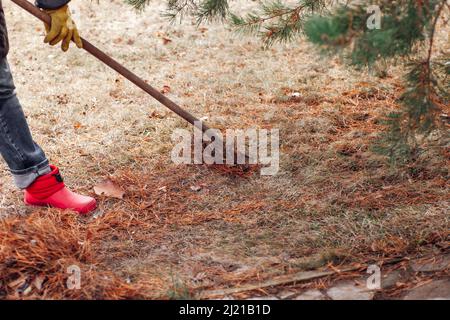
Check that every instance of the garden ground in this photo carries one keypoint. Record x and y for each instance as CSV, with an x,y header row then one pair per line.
x,y
182,231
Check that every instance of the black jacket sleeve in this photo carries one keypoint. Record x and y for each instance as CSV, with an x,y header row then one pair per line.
x,y
51,4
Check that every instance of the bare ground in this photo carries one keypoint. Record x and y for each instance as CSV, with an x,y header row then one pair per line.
x,y
333,202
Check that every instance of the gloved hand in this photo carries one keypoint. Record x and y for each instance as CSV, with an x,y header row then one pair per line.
x,y
62,28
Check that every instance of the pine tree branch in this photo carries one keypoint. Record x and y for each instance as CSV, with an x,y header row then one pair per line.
x,y
277,21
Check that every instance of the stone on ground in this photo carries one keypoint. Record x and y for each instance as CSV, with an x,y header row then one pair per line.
x,y
435,290
350,291
313,294
437,264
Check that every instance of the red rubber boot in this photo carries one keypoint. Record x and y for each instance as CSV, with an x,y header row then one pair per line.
x,y
50,191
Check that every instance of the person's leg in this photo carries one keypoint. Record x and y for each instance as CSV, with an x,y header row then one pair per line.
x,y
29,166
24,157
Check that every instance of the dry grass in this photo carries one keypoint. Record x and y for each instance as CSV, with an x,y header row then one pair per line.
x,y
333,201
36,252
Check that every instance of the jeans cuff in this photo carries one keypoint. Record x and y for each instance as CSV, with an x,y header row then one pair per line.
x,y
24,178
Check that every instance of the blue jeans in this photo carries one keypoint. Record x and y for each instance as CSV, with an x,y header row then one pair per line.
x,y
24,157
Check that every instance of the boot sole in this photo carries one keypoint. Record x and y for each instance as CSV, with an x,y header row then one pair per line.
x,y
87,209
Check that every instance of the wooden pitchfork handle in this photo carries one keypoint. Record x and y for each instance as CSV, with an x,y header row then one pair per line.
x,y
110,62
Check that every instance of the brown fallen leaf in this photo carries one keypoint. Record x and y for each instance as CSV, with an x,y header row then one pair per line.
x,y
166,40
77,125
165,89
156,115
109,189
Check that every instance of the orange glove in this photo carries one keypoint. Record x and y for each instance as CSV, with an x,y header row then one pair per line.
x,y
62,28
